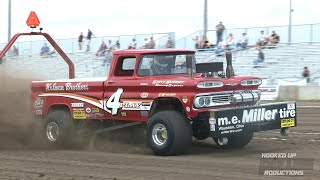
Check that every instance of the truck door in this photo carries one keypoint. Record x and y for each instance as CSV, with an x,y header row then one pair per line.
x,y
122,98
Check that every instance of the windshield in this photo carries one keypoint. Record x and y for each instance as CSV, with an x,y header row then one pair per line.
x,y
164,64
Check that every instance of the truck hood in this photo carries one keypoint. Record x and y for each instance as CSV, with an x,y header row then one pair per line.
x,y
183,83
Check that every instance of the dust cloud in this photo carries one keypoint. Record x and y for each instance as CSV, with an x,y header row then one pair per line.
x,y
19,129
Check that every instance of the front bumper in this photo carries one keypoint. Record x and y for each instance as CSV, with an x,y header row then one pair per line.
x,y
232,121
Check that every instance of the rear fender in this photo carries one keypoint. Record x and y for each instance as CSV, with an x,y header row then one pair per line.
x,y
56,107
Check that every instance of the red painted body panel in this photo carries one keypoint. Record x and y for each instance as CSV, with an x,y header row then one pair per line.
x,y
87,98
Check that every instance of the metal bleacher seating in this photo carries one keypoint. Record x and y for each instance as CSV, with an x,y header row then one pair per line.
x,y
282,62
54,67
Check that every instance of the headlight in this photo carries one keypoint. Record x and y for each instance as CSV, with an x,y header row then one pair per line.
x,y
207,101
210,84
251,82
204,101
201,102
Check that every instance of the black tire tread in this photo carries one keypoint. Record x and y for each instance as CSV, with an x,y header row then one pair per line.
x,y
180,127
64,120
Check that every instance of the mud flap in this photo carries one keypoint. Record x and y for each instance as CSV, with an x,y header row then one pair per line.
x,y
233,121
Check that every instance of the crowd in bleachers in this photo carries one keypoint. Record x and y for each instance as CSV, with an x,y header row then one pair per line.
x,y
106,50
147,44
230,42
242,43
286,61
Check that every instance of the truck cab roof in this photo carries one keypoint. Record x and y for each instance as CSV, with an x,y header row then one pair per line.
x,y
151,51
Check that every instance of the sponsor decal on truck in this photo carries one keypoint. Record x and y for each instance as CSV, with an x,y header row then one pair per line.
x,y
111,105
256,118
67,87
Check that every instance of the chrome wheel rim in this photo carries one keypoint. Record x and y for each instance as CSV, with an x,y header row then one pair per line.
x,y
159,134
52,131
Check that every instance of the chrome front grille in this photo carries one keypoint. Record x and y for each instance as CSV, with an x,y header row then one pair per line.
x,y
227,98
221,98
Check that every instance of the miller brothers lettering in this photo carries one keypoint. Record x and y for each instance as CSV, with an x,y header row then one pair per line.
x,y
66,87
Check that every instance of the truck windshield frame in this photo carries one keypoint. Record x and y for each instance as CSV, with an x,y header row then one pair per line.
x,y
164,64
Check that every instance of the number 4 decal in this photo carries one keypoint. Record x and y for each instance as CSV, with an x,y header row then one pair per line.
x,y
113,102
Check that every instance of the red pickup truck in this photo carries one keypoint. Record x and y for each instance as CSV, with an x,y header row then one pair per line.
x,y
168,90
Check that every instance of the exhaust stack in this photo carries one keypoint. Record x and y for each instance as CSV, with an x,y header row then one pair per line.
x,y
229,69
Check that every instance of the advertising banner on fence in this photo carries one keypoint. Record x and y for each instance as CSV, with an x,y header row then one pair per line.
x,y
292,82
269,92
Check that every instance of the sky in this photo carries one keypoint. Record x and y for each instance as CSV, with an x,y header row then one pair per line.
x,y
67,18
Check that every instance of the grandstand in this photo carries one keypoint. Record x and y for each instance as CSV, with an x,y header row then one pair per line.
x,y
284,62
54,67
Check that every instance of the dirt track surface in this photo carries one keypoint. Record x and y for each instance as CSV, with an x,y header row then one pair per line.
x,y
23,157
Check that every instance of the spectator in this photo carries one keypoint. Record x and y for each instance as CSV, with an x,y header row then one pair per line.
x,y
219,28
243,42
274,38
116,45
89,36
133,44
262,41
145,44
109,46
220,49
169,43
196,42
259,59
306,74
207,44
102,49
108,54
15,51
202,42
80,41
44,52
230,41
152,43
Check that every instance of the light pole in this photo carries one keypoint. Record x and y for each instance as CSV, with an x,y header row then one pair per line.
x,y
205,18
289,29
9,21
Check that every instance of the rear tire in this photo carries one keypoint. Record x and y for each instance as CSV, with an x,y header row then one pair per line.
x,y
237,141
59,128
169,133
